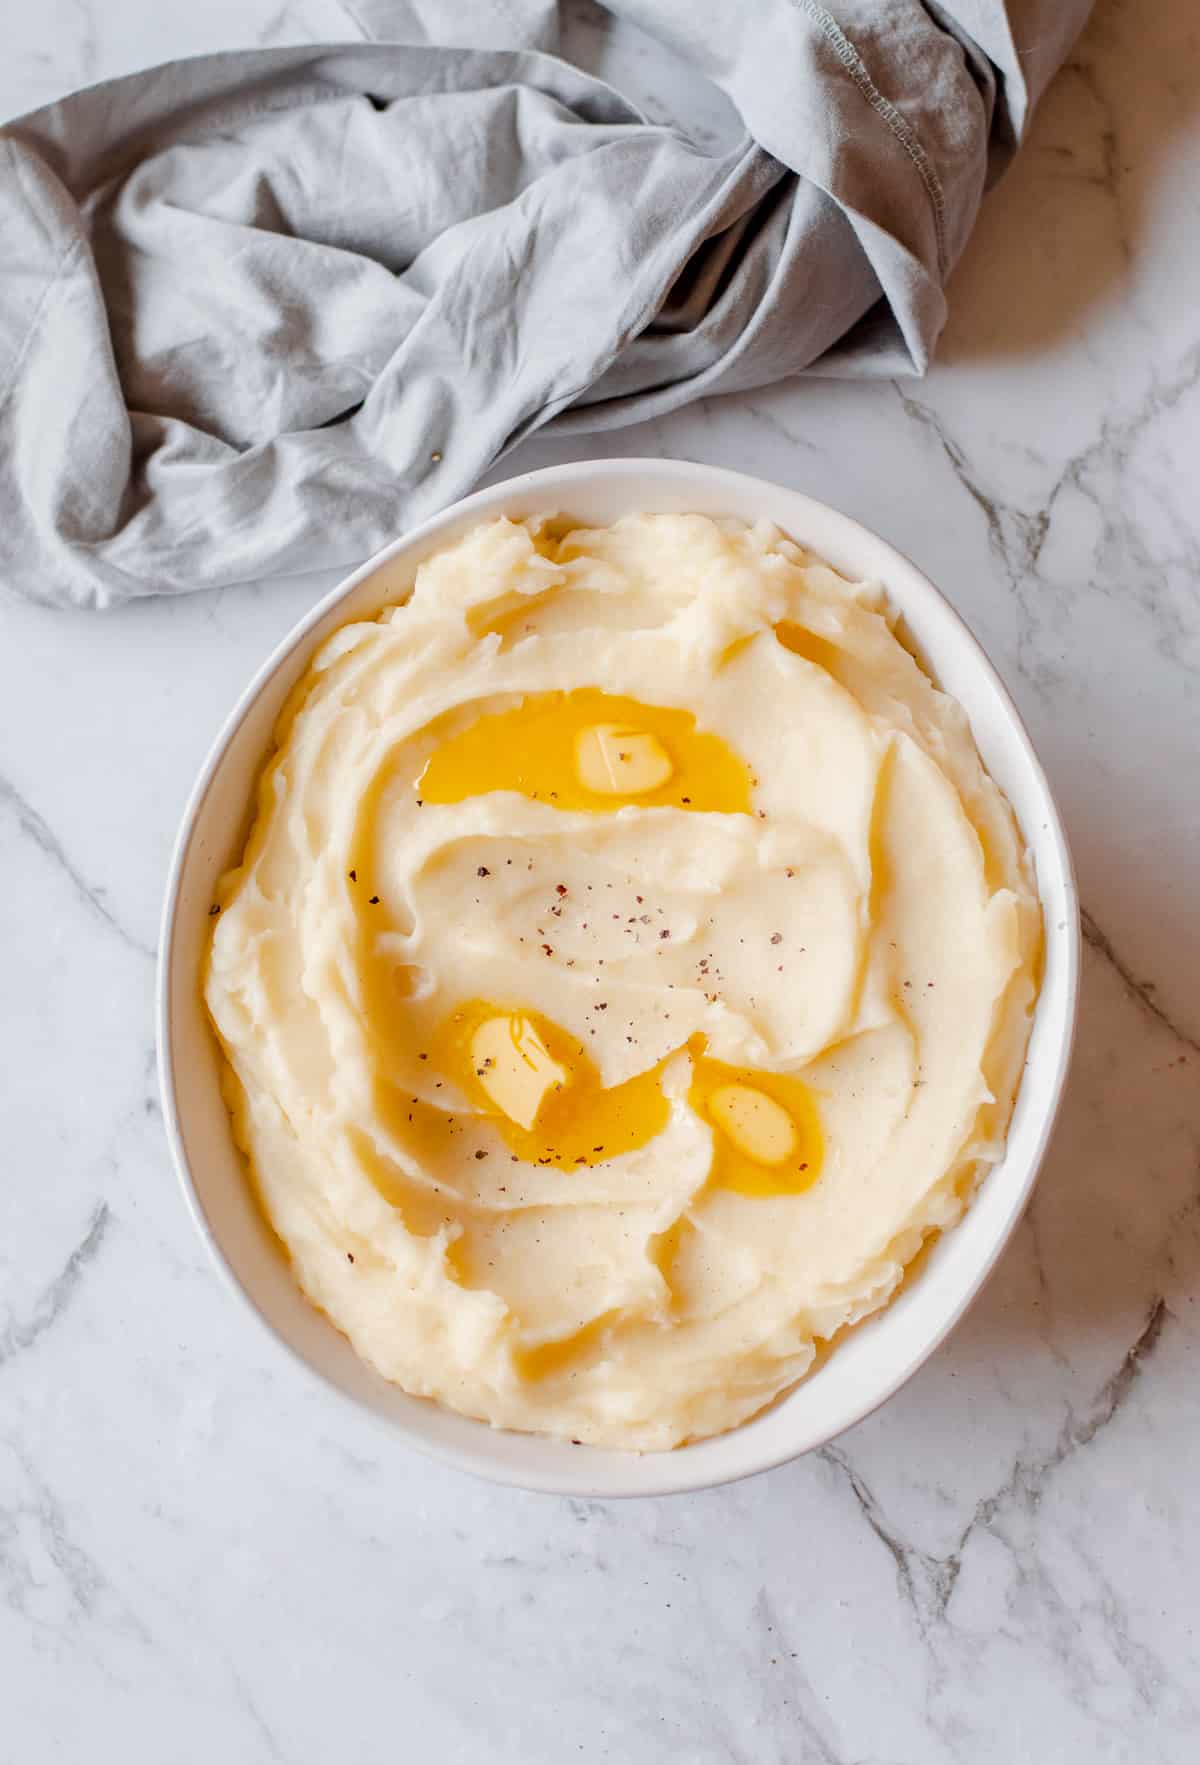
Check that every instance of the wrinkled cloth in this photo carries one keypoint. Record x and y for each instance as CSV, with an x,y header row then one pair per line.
x,y
261,311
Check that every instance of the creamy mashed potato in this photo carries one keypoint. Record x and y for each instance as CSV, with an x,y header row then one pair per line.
x,y
630,966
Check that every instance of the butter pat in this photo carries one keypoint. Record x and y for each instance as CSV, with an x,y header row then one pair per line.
x,y
758,1126
515,1068
618,762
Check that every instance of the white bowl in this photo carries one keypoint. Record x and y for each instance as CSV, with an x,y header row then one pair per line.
x,y
877,1357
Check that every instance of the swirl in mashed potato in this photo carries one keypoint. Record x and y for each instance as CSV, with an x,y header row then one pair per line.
x,y
630,966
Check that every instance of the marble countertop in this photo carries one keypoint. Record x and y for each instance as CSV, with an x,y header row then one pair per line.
x,y
203,1557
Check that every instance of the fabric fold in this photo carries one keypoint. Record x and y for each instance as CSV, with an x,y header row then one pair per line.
x,y
260,311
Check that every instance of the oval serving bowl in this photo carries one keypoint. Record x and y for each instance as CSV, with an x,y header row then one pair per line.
x,y
876,1357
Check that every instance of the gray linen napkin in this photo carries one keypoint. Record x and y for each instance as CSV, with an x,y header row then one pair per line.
x,y
260,311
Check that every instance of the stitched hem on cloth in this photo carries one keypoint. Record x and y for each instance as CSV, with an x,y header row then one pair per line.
x,y
856,67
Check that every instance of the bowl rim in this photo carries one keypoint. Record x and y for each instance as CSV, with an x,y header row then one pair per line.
x,y
1066,935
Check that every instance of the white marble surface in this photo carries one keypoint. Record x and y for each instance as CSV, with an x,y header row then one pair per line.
x,y
202,1557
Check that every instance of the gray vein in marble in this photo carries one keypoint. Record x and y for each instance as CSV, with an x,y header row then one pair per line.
x,y
762,419
54,1299
1117,433
1116,1389
37,830
277,27
1107,176
1027,1479
927,1581
1141,991
309,21
1045,1298
81,1578
89,1592
1113,442
801,1711
258,1721
87,56
1142,1668
1016,537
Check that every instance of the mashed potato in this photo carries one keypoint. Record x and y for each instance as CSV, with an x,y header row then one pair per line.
x,y
630,965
